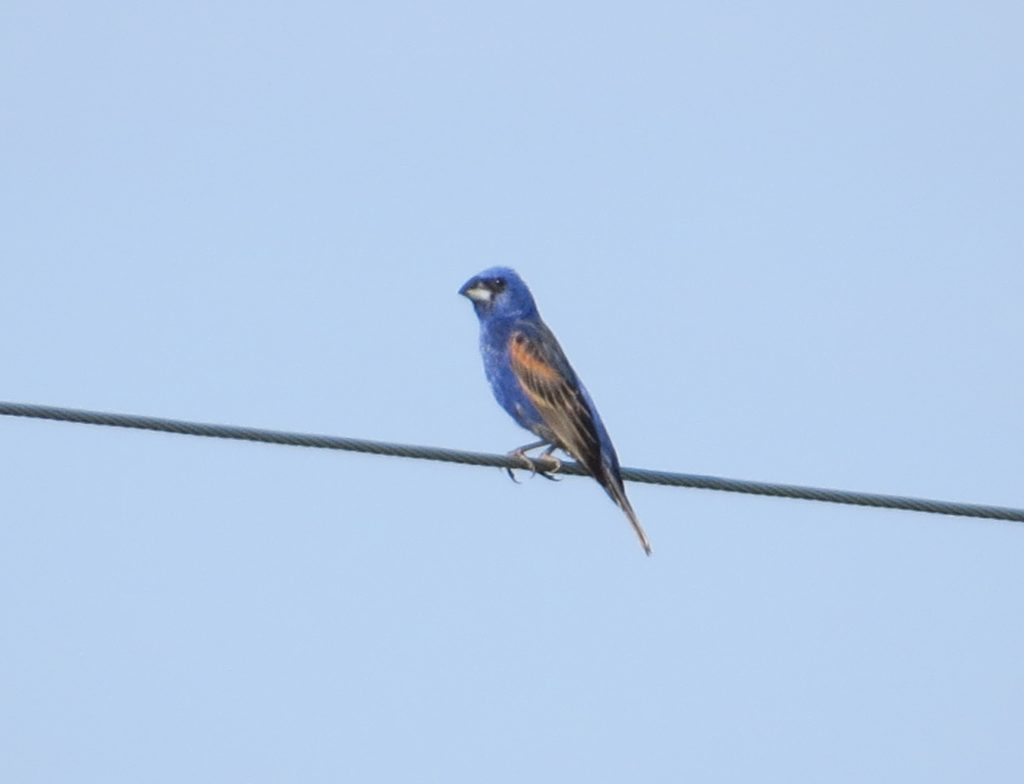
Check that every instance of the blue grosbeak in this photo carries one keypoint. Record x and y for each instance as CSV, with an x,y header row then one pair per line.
x,y
536,385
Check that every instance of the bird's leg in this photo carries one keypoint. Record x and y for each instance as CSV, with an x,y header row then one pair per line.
x,y
546,454
520,453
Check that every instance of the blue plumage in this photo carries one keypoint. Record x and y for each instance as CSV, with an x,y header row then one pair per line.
x,y
534,382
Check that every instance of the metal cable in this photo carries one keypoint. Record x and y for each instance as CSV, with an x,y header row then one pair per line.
x,y
503,461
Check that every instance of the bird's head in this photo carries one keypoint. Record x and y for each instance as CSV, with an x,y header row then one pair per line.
x,y
499,292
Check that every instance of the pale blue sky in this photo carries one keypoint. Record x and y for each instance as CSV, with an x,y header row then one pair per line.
x,y
778,242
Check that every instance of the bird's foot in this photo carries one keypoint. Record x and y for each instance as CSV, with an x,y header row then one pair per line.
x,y
549,473
521,456
530,463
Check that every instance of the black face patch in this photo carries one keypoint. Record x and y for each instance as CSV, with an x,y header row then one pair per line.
x,y
497,285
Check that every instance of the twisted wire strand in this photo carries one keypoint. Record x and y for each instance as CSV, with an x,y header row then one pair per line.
x,y
463,457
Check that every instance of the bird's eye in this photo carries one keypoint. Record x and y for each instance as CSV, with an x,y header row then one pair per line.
x,y
498,284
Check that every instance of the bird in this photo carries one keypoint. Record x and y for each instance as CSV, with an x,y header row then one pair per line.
x,y
531,379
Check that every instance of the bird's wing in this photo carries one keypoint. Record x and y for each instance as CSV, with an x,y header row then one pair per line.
x,y
550,383
548,380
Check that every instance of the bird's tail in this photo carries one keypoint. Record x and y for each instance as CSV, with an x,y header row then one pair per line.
x,y
618,494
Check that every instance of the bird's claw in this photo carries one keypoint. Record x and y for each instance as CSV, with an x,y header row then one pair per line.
x,y
549,474
512,476
528,464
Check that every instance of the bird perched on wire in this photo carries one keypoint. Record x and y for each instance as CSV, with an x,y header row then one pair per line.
x,y
536,385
